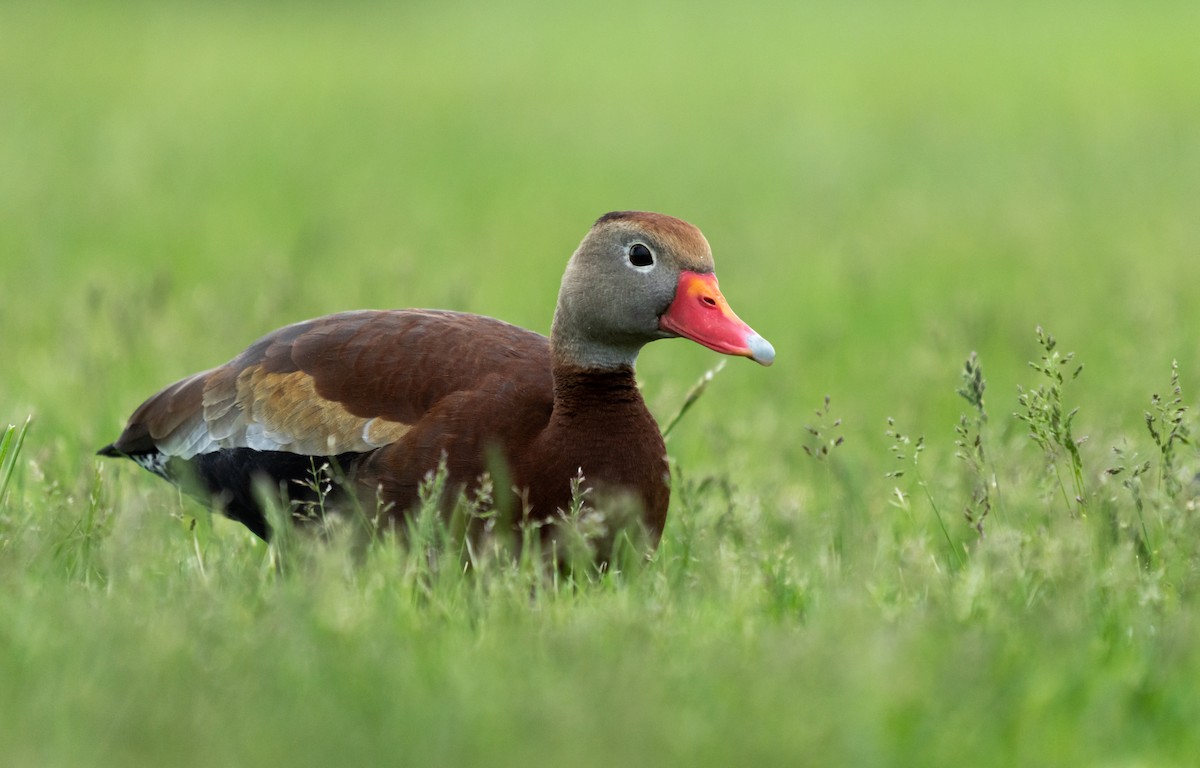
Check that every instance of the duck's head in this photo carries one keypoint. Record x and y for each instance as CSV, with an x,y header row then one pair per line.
x,y
637,277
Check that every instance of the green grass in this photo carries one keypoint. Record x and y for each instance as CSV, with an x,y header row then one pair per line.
x,y
887,187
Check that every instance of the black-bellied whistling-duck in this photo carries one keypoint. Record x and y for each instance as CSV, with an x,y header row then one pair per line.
x,y
387,395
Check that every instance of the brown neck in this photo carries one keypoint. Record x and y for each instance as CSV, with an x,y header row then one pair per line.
x,y
601,426
594,394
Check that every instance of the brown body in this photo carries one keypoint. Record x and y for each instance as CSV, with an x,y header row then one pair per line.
x,y
435,385
388,396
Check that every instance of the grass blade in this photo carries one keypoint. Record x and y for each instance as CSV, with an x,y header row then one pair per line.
x,y
692,396
10,449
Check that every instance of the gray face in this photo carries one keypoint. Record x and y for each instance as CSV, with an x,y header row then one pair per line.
x,y
619,282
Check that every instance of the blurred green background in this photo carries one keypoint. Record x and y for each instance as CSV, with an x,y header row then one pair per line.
x,y
887,186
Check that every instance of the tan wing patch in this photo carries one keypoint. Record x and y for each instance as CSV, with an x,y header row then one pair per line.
x,y
283,411
252,408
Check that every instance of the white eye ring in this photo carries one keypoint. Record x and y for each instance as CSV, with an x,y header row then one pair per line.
x,y
640,257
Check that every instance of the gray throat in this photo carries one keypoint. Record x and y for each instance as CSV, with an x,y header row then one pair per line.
x,y
574,349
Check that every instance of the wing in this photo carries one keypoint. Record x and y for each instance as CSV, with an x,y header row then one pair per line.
x,y
345,383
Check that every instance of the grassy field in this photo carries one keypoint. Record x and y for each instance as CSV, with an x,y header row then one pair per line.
x,y
888,187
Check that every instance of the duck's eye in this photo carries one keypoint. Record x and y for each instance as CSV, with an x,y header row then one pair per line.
x,y
640,255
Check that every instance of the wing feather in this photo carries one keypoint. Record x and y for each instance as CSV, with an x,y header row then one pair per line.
x,y
351,382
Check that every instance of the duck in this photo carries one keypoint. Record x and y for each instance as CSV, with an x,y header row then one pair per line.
x,y
389,398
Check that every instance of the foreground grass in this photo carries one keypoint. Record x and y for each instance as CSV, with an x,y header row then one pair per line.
x,y
758,632
887,187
